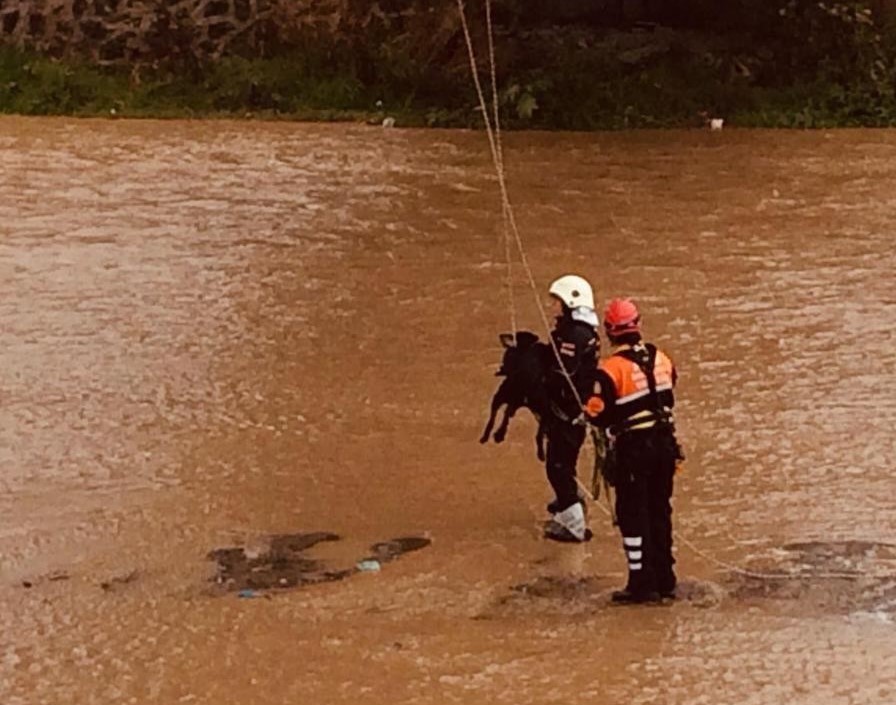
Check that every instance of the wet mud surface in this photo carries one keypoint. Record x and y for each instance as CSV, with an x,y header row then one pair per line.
x,y
565,595
847,577
213,334
284,564
806,579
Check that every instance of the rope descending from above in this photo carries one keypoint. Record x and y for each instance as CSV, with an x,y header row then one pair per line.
x,y
507,206
496,114
493,131
509,215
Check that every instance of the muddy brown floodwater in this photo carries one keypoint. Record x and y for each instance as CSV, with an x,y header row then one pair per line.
x,y
221,335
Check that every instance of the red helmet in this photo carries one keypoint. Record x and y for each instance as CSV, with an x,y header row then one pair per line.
x,y
622,317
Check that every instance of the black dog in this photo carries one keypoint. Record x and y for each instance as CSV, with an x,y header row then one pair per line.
x,y
525,366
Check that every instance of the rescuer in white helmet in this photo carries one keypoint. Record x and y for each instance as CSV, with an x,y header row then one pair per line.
x,y
577,345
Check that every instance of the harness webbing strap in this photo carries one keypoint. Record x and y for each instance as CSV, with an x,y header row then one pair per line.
x,y
644,356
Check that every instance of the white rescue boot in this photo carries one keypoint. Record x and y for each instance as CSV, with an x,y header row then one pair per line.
x,y
569,525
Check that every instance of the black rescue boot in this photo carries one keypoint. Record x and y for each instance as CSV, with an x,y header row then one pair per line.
x,y
629,597
667,584
667,594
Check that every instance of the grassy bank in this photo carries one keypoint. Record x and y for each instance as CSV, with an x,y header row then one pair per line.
x,y
35,85
551,79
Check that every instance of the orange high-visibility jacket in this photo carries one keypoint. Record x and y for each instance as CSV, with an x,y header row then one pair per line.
x,y
633,389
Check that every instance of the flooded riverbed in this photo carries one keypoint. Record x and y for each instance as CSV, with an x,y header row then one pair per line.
x,y
215,333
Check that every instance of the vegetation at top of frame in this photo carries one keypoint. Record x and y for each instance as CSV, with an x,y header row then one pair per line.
x,y
793,63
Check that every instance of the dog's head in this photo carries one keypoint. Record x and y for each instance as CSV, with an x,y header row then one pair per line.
x,y
524,339
513,349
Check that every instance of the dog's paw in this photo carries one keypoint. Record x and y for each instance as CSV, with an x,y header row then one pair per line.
x,y
499,437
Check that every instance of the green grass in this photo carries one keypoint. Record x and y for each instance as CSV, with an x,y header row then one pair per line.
x,y
34,85
561,87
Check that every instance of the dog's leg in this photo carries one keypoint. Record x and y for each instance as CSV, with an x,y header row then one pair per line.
x,y
490,424
539,440
500,434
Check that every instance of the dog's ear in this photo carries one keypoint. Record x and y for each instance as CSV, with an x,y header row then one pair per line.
x,y
524,339
507,340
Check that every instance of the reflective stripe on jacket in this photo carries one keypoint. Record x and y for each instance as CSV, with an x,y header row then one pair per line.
x,y
625,397
578,347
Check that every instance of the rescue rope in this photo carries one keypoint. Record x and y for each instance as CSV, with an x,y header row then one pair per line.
x,y
505,220
493,132
755,574
507,206
494,140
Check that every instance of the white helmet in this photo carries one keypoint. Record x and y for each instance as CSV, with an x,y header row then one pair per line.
x,y
573,291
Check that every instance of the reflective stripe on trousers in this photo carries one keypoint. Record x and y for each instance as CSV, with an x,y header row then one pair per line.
x,y
633,546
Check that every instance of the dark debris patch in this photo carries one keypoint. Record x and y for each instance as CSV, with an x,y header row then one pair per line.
x,y
54,577
284,564
841,577
553,587
387,551
119,580
550,595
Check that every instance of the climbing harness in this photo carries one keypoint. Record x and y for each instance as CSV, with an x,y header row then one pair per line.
x,y
646,411
603,470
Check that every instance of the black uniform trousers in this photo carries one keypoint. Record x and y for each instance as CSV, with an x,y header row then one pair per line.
x,y
564,443
644,473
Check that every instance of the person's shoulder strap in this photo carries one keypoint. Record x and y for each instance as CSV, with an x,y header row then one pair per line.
x,y
644,356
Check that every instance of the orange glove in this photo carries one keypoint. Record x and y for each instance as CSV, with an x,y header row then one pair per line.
x,y
594,406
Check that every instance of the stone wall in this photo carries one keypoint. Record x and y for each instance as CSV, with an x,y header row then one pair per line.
x,y
112,31
141,31
138,32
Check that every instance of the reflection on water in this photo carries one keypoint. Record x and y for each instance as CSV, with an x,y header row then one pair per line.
x,y
212,332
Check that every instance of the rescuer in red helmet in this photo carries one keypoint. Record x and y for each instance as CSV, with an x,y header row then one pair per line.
x,y
633,400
